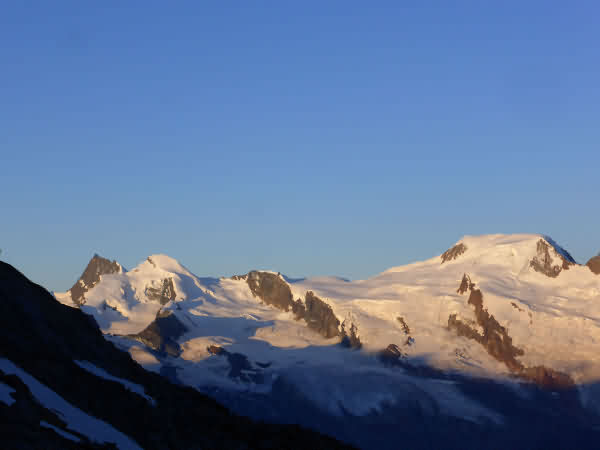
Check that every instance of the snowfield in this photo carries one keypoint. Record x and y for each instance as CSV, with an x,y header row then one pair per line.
x,y
554,319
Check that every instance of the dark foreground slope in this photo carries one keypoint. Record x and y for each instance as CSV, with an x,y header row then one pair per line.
x,y
44,338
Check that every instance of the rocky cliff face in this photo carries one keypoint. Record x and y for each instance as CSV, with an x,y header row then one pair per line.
x,y
549,265
497,342
97,267
453,253
318,315
271,289
163,294
594,264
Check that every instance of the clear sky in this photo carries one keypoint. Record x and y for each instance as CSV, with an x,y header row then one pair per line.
x,y
334,137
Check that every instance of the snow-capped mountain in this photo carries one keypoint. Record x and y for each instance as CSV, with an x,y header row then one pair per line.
x,y
63,386
512,310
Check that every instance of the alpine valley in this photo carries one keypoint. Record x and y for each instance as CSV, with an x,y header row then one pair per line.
x,y
493,344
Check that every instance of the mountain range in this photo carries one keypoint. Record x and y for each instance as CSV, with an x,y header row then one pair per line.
x,y
62,386
491,344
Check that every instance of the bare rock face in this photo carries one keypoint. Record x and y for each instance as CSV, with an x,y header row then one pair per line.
x,y
405,328
403,324
91,276
350,336
392,356
544,263
465,285
498,343
271,289
546,377
163,294
594,264
495,338
319,316
453,253
274,291
162,334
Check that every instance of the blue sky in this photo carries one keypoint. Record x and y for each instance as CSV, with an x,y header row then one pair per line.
x,y
305,137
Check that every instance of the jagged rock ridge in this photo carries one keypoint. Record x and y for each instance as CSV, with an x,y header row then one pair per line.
x,y
496,340
543,262
273,290
97,267
453,253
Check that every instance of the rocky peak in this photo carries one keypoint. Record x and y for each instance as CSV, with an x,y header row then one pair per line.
x,y
550,259
97,267
594,264
271,289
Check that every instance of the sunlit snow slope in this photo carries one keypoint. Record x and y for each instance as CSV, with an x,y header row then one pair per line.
x,y
514,308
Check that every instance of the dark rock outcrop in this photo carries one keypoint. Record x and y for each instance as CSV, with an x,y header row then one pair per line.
x,y
392,356
350,338
162,334
594,264
453,253
273,290
517,307
44,338
497,342
546,377
405,328
544,263
164,293
403,324
91,276
465,285
240,368
318,316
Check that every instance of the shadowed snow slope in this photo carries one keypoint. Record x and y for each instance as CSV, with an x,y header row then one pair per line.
x,y
528,315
